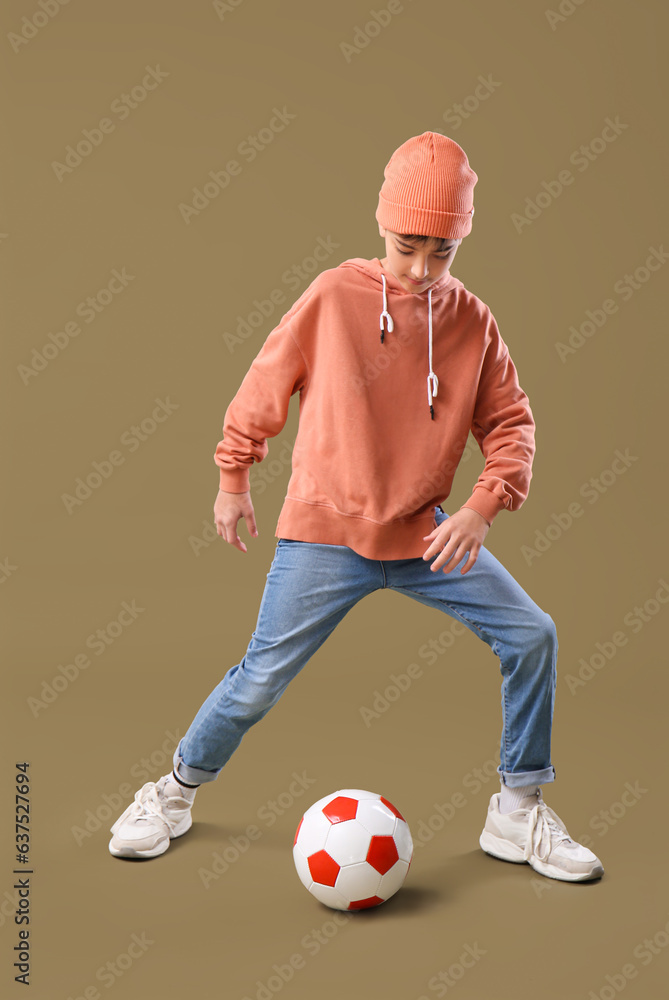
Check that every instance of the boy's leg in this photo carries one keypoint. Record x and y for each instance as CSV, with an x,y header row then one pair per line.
x,y
310,588
491,604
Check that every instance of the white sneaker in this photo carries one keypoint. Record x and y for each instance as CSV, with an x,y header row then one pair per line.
x,y
159,814
537,837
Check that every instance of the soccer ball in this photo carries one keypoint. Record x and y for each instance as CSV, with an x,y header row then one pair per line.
x,y
352,849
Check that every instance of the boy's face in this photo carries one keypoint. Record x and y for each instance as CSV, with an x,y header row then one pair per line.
x,y
417,267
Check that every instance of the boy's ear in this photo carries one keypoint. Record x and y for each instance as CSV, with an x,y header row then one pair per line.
x,y
382,231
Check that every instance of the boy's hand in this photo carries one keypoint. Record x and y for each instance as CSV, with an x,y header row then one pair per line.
x,y
228,509
462,532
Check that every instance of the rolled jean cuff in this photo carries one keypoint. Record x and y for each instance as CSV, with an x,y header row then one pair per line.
x,y
192,775
518,778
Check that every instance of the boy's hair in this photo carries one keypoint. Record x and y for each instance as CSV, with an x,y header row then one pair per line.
x,y
421,240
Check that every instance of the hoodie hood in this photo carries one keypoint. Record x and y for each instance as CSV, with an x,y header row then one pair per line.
x,y
390,286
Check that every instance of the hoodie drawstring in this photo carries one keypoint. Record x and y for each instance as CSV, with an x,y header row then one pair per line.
x,y
385,314
432,380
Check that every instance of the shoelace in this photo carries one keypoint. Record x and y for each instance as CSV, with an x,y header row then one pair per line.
x,y
543,828
147,804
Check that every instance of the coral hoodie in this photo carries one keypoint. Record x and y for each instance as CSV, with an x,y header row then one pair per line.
x,y
390,384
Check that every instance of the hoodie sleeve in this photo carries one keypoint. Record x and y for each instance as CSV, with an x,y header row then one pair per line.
x,y
503,426
259,409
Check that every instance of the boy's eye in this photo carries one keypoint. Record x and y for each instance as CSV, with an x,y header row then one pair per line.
x,y
439,256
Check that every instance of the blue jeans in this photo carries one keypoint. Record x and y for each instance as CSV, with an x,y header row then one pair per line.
x,y
309,589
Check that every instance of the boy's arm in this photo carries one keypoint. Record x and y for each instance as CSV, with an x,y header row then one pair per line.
x,y
260,407
504,428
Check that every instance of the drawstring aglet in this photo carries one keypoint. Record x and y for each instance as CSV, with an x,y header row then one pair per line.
x,y
432,389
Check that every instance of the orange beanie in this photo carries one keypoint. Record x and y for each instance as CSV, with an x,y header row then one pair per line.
x,y
428,189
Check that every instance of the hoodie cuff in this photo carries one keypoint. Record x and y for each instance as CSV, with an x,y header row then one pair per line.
x,y
234,480
485,503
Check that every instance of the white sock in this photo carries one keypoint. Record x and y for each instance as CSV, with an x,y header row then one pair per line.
x,y
185,791
522,797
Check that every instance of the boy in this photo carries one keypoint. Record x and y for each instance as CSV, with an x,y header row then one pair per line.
x,y
373,461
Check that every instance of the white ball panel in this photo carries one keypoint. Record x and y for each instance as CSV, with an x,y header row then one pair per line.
x,y
348,842
302,867
376,817
328,894
403,839
358,882
393,879
313,832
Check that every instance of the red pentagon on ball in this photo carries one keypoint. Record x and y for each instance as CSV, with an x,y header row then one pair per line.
x,y
323,868
362,904
382,854
341,809
297,832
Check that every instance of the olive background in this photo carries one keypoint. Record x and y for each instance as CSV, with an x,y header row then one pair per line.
x,y
134,306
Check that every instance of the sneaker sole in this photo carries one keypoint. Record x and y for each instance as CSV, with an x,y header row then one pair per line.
x,y
552,872
131,852
511,852
127,851
501,848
